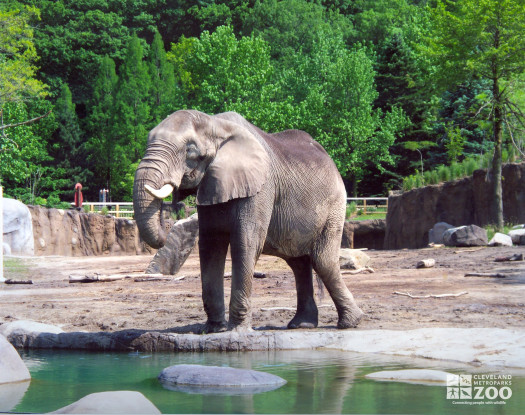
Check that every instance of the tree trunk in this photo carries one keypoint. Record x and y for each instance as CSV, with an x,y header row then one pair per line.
x,y
496,161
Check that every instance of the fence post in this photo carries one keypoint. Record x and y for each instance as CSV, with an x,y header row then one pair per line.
x,y
117,209
2,279
364,206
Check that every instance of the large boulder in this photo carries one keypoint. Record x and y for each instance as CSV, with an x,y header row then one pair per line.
x,y
435,235
181,240
118,402
500,239
214,379
516,235
353,259
18,228
12,368
471,235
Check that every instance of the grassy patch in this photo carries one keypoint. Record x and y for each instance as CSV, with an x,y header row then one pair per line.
x,y
16,268
491,230
377,215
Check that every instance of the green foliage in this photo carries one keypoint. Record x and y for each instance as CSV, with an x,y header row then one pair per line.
x,y
18,55
351,73
455,143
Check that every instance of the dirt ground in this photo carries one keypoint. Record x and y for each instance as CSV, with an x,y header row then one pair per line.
x,y
177,305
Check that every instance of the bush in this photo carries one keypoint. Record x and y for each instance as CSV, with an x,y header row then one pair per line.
x,y
104,211
444,173
471,165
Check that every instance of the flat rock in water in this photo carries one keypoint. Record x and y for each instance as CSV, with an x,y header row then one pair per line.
x,y
420,376
222,380
117,402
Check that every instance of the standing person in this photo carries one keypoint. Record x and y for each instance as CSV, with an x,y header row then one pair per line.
x,y
79,199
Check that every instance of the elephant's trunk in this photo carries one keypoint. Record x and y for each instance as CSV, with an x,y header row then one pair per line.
x,y
147,208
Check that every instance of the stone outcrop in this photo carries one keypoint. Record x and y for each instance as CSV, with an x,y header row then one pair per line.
x,y
17,228
218,380
117,402
73,233
466,201
364,234
181,240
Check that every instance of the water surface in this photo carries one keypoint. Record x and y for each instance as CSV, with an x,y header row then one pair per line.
x,y
318,382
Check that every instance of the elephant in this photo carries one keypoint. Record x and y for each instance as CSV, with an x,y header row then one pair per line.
x,y
279,194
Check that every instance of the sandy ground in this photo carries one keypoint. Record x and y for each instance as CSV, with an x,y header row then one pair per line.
x,y
177,305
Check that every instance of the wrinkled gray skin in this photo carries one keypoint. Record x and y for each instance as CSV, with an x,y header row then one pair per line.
x,y
277,194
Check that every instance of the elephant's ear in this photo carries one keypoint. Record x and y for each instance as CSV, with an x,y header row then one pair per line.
x,y
239,169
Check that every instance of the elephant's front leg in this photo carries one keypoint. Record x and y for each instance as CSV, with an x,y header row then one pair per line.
x,y
245,249
213,247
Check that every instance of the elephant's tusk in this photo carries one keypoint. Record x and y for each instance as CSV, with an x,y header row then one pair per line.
x,y
162,193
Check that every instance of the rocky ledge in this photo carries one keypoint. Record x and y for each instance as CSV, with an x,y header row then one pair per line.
x,y
484,346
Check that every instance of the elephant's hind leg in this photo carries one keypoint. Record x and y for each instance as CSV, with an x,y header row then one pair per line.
x,y
325,262
306,315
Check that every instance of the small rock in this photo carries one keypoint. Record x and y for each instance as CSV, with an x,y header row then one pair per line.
x,y
118,402
221,380
426,263
518,227
435,235
500,239
471,235
353,259
516,235
419,376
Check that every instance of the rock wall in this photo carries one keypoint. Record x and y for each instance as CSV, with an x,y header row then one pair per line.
x,y
73,233
466,201
364,234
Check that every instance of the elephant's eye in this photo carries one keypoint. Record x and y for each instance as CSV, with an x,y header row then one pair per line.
x,y
192,152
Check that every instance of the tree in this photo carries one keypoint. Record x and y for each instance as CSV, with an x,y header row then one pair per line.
x,y
69,149
18,56
335,91
102,145
223,73
133,111
165,94
482,38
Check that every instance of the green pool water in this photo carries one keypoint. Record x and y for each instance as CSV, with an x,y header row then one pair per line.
x,y
317,382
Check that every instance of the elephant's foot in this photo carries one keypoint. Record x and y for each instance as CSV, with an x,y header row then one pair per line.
x,y
215,327
241,328
349,319
304,320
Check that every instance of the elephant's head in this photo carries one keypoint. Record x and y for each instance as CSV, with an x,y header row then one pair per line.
x,y
217,157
